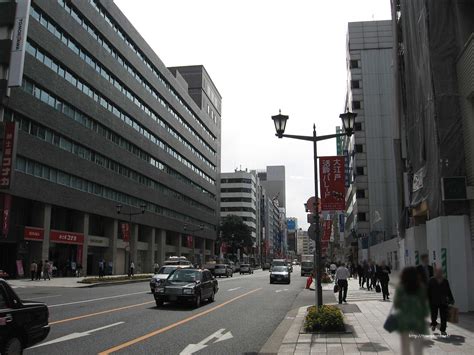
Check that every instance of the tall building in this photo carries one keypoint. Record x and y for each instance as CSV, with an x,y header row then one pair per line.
x,y
292,230
433,62
304,245
372,210
239,197
96,121
273,180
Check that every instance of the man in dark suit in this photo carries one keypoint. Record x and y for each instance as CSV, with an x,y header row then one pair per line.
x,y
424,270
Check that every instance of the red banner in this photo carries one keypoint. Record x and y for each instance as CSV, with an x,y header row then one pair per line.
x,y
332,183
8,155
7,205
66,237
327,230
189,241
125,232
79,254
324,244
31,233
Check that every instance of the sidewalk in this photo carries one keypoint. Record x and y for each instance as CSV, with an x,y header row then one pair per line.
x,y
365,315
72,282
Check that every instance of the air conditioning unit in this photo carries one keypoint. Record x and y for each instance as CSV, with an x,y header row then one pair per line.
x,y
454,188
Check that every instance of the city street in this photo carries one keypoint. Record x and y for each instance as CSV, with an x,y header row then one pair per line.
x,y
124,318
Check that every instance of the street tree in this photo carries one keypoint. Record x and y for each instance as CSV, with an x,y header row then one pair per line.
x,y
235,233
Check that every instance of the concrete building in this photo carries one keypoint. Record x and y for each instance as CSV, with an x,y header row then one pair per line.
x,y
273,180
371,199
101,122
434,137
239,197
304,245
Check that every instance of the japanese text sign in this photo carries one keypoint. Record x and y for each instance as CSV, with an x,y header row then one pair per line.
x,y
332,183
8,155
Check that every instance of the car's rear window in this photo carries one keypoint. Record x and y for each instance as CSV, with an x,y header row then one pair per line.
x,y
220,266
185,275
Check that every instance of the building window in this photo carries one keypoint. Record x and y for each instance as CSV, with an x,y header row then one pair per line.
x,y
358,126
361,217
360,193
355,84
359,148
356,105
359,170
353,64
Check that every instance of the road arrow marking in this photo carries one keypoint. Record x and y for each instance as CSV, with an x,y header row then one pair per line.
x,y
218,335
76,335
234,289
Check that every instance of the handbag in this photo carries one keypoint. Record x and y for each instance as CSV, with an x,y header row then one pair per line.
x,y
336,288
453,314
378,289
391,323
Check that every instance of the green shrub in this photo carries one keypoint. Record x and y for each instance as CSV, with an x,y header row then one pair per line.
x,y
325,278
113,278
324,318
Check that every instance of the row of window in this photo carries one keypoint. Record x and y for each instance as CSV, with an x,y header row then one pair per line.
x,y
112,51
237,209
56,176
97,127
235,189
144,60
236,181
89,60
83,152
236,199
84,88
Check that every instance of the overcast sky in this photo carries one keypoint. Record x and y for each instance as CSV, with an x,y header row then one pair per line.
x,y
263,55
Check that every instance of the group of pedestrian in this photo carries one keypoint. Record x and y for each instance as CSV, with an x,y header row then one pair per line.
x,y
41,269
374,276
422,290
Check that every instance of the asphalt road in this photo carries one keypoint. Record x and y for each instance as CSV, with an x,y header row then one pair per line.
x,y
123,319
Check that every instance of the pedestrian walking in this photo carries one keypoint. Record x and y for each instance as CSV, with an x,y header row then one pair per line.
x,y
132,269
369,277
342,274
360,272
333,268
382,275
101,268
50,270
353,270
45,270
365,273
33,270
440,297
39,270
156,267
374,275
425,270
411,309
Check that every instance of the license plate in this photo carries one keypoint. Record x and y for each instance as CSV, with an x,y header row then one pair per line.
x,y
173,298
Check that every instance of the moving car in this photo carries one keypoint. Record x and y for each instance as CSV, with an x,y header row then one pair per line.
x,y
280,274
22,323
163,274
279,262
177,260
223,270
245,269
266,266
307,268
187,285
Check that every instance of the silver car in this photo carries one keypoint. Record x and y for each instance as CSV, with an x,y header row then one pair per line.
x,y
223,270
280,274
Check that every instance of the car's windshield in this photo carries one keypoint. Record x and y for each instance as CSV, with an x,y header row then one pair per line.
x,y
185,275
307,264
280,268
166,269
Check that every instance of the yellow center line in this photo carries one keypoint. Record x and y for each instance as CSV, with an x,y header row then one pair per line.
x,y
174,325
99,313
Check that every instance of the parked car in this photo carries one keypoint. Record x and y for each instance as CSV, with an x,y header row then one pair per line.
x,y
163,274
187,285
22,323
223,270
307,268
266,266
245,269
280,274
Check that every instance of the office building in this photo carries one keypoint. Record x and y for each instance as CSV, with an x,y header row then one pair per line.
x,y
372,210
304,245
100,122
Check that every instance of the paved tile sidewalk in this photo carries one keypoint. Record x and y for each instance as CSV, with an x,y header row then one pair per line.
x,y
368,335
54,282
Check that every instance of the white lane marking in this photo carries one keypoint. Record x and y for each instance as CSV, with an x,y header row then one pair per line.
x,y
97,299
218,335
281,290
36,298
76,335
234,289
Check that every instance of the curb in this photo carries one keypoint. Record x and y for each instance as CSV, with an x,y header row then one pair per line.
x,y
111,283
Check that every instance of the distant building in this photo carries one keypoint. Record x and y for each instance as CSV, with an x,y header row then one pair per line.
x,y
304,245
292,230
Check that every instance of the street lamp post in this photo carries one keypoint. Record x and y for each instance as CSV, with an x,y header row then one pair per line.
x,y
130,214
193,230
348,119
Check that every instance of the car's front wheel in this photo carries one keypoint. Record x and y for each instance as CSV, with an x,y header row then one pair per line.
x,y
197,301
12,346
159,303
213,296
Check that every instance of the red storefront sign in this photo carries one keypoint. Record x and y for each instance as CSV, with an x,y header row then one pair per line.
x,y
332,183
66,237
327,230
31,233
79,254
8,155
189,241
7,205
125,232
